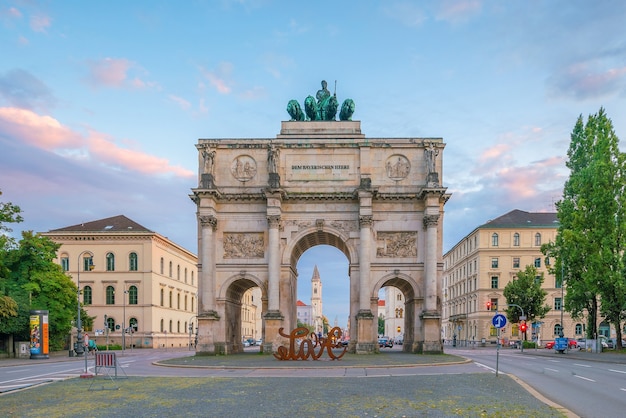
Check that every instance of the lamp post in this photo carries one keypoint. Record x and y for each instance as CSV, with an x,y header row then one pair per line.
x,y
124,323
80,342
562,300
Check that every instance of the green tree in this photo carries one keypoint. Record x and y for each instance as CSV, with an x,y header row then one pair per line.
x,y
589,246
35,281
381,325
525,290
9,213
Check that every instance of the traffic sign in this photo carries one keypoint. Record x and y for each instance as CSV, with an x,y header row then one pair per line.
x,y
499,321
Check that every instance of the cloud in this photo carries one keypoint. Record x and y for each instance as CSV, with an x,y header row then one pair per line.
x,y
21,89
47,133
219,77
182,103
583,81
108,152
455,11
406,13
116,73
40,23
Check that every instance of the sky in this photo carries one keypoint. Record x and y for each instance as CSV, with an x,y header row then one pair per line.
x,y
102,103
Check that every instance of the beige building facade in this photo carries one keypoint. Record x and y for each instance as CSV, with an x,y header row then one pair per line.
x,y
131,278
261,203
477,269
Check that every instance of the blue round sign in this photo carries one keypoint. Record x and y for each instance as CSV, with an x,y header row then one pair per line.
x,y
499,321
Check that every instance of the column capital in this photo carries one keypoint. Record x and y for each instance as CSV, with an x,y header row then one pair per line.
x,y
431,220
273,221
365,221
208,220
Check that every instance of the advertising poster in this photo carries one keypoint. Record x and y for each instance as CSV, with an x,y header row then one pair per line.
x,y
39,335
35,335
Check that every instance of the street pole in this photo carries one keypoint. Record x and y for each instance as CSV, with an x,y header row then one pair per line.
x,y
522,318
124,323
80,342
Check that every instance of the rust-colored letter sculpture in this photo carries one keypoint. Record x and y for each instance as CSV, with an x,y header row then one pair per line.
x,y
307,343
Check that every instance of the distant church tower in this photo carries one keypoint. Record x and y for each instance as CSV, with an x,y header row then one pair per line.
x,y
316,300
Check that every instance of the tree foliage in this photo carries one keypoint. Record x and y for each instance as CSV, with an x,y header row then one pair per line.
x,y
526,291
589,244
29,280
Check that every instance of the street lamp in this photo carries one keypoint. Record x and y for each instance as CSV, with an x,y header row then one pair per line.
x,y
80,342
124,323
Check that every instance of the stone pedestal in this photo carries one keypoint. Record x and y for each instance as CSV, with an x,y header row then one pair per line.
x,y
208,330
431,323
368,342
274,320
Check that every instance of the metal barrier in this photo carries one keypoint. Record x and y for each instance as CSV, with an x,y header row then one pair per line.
x,y
106,360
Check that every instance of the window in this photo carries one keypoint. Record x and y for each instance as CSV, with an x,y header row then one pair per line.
x,y
178,272
132,262
494,282
494,240
558,330
185,302
493,331
132,295
579,329
399,312
65,263
162,323
399,297
171,328
162,265
185,274
178,327
178,301
87,295
538,262
516,240
557,304
170,270
87,263
110,292
192,278
170,300
537,239
111,324
110,262
515,262
133,324
494,304
162,296
192,303
538,280
558,282
515,330
494,263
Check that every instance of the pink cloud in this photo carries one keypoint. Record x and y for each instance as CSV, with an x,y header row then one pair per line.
x,y
495,152
40,23
106,151
14,13
184,104
218,78
40,131
109,72
458,10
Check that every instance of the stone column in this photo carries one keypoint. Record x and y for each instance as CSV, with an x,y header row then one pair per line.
x,y
206,281
430,269
274,263
364,262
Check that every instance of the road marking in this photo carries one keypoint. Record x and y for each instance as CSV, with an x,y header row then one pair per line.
x,y
555,361
16,371
552,370
584,378
624,389
617,371
581,365
485,366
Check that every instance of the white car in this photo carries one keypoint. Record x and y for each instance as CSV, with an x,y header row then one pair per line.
x,y
259,341
246,343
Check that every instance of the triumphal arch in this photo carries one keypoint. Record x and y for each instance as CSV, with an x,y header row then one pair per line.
x,y
261,203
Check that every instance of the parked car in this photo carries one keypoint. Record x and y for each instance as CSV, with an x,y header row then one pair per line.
x,y
385,342
251,341
582,343
246,343
571,343
259,341
549,345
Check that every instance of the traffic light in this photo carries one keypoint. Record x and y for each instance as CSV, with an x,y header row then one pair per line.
x,y
523,327
489,305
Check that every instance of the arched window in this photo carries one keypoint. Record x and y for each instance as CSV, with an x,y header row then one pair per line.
x,y
579,329
162,265
178,272
170,271
133,324
111,324
132,262
399,297
558,329
65,263
178,301
110,295
170,300
516,240
162,325
494,240
87,295
178,327
162,296
171,325
537,239
110,262
132,295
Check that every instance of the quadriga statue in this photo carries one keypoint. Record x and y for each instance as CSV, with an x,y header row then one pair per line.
x,y
321,107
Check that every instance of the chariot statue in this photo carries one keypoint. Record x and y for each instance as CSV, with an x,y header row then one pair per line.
x,y
321,107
